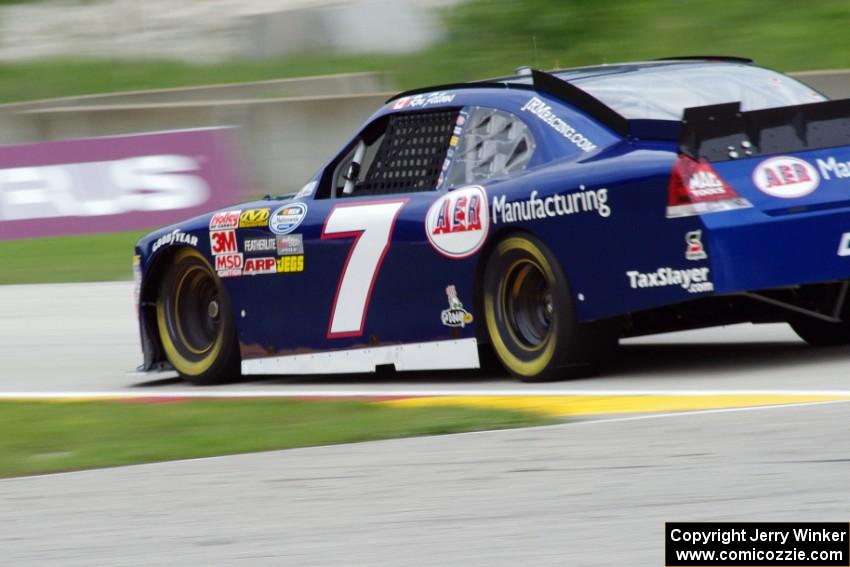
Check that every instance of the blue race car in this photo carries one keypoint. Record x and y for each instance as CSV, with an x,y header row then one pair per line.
x,y
538,217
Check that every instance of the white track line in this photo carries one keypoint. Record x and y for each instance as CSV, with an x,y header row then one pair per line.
x,y
284,393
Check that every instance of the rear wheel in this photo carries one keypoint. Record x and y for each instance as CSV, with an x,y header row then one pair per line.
x,y
195,321
530,316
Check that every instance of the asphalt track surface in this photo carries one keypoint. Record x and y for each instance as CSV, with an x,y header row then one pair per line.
x,y
82,338
592,493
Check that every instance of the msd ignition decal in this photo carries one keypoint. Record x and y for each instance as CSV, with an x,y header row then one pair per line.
x,y
786,177
287,218
535,208
423,100
455,315
457,223
176,236
225,220
228,260
695,249
254,218
544,112
694,280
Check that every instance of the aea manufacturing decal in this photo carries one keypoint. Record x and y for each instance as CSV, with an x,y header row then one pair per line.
x,y
287,218
535,208
786,177
457,223
694,280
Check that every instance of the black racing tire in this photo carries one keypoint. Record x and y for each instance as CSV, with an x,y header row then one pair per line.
x,y
530,316
195,321
821,333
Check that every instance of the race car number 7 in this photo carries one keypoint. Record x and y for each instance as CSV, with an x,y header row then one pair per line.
x,y
371,226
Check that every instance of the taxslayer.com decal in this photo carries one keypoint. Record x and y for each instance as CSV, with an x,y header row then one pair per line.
x,y
786,177
457,223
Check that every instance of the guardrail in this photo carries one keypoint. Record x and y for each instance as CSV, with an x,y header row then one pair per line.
x,y
286,129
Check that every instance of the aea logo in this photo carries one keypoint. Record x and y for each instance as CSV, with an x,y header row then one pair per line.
x,y
786,177
457,223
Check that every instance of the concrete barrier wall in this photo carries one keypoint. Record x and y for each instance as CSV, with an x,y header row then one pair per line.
x,y
281,140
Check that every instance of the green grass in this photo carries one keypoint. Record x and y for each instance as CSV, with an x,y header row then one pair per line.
x,y
84,258
487,38
45,437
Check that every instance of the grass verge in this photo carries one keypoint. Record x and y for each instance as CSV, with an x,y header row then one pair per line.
x,y
83,258
47,437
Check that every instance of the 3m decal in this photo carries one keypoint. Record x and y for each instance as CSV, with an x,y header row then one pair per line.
x,y
457,223
544,112
455,315
371,226
253,218
290,244
255,266
176,236
786,177
695,249
287,218
223,242
534,208
288,264
694,280
260,245
225,220
229,265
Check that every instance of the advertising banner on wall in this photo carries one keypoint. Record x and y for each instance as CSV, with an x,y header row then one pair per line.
x,y
115,183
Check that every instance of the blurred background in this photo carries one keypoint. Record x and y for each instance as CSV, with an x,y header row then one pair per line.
x,y
290,80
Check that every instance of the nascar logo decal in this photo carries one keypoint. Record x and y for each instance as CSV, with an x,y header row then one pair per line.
x,y
287,218
457,223
786,177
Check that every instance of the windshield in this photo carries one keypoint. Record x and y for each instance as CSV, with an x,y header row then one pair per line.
x,y
662,92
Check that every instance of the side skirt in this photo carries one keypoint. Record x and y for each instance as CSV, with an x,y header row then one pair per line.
x,y
436,355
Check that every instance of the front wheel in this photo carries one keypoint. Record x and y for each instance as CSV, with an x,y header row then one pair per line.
x,y
530,316
195,321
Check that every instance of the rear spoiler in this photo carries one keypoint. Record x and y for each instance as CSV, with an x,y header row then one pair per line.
x,y
723,132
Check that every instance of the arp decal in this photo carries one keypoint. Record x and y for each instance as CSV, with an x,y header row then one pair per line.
x,y
225,220
786,177
457,223
254,218
695,250
455,315
287,218
266,265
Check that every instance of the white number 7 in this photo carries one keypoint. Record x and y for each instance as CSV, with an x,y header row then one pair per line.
x,y
371,226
